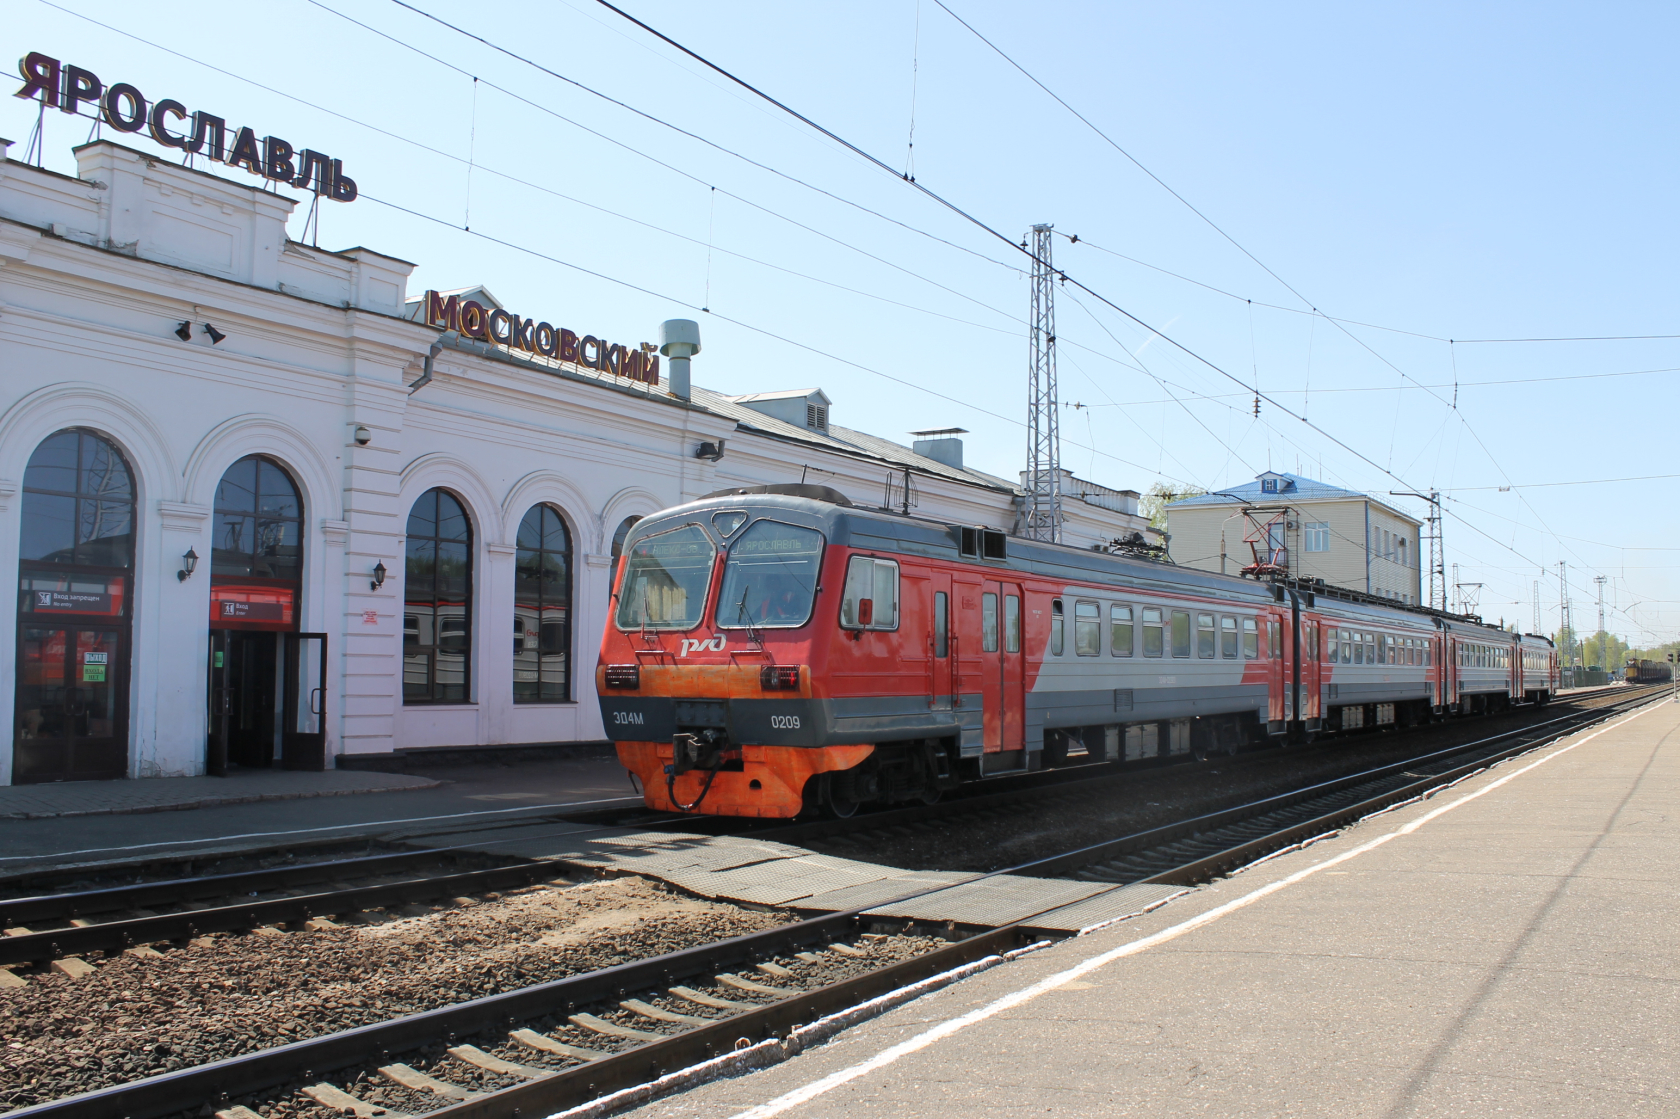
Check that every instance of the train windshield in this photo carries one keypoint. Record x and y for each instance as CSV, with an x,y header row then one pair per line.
x,y
770,578
665,580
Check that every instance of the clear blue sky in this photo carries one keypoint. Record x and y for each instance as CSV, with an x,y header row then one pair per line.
x,y
1499,172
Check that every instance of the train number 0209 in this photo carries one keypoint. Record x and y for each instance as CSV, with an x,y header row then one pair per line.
x,y
784,722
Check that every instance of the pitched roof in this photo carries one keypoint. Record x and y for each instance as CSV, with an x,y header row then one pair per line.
x,y
1291,488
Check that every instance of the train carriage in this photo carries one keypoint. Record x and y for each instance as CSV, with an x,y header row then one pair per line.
x,y
776,650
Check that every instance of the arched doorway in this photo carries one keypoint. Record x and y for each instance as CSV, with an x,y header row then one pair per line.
x,y
76,570
262,671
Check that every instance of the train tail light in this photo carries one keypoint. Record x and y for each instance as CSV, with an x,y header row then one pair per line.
x,y
779,677
624,675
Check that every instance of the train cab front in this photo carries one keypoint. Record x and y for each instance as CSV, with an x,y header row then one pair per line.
x,y
705,678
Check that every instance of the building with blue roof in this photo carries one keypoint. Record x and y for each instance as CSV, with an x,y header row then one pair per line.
x,y
1308,528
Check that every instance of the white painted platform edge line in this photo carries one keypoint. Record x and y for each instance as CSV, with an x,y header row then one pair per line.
x,y
308,831
1026,994
774,1050
1112,921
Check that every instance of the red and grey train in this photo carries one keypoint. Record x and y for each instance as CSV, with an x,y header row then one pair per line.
x,y
777,650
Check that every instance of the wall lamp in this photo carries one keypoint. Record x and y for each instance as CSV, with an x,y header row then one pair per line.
x,y
215,335
379,575
189,563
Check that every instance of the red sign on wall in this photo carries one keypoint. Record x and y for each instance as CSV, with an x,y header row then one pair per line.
x,y
244,606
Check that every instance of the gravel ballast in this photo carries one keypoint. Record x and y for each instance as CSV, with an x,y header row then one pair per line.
x,y
223,996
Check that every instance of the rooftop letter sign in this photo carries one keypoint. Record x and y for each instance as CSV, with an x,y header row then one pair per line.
x,y
500,328
67,87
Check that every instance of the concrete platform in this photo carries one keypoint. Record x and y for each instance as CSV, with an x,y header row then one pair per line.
x,y
85,822
166,794
1509,947
763,872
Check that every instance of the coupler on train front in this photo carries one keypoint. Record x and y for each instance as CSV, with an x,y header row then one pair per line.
x,y
702,772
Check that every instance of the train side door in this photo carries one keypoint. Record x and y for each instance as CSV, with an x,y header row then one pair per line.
x,y
1001,665
1311,658
940,639
971,683
1012,674
1277,677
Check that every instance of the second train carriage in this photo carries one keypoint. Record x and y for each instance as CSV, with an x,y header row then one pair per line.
x,y
776,649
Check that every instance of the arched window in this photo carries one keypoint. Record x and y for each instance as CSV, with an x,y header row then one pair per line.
x,y
258,530
618,550
76,559
437,611
542,609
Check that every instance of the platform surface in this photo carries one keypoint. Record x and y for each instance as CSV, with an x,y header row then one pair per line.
x,y
1516,953
75,823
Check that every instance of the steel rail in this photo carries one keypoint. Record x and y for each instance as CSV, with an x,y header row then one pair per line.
x,y
114,936
571,1087
189,1089
1071,780
1200,869
140,895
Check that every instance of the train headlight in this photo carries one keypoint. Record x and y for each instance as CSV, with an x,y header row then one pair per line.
x,y
779,678
624,675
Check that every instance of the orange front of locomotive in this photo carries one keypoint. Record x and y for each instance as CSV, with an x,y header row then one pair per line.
x,y
710,677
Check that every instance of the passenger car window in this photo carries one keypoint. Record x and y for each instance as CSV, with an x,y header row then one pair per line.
x,y
1011,623
988,623
1153,644
1181,633
1228,638
1087,629
870,600
1056,627
1120,630
1206,637
1251,639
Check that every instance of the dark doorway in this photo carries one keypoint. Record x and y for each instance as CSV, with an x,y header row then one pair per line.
x,y
244,699
256,569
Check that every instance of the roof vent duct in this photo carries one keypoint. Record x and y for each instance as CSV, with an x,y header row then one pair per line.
x,y
941,445
679,340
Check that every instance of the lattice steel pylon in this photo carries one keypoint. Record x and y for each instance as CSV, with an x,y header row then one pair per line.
x,y
1044,432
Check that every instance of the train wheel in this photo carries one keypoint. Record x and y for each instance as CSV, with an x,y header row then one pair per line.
x,y
835,798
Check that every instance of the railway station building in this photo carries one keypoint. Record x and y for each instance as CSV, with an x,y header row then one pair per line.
x,y
1312,529
265,507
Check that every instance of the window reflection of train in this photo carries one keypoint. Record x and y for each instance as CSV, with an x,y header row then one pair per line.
x,y
435,645
541,646
1647,672
777,649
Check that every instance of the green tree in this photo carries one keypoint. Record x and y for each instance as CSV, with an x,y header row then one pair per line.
x,y
1154,503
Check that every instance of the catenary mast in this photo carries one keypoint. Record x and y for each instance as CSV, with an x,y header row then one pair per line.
x,y
1044,433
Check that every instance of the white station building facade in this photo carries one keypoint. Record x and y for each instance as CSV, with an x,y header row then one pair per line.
x,y
264,507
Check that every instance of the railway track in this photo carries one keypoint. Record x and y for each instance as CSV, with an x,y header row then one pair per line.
x,y
43,927
557,1044
1195,850
544,1048
1093,782
75,924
